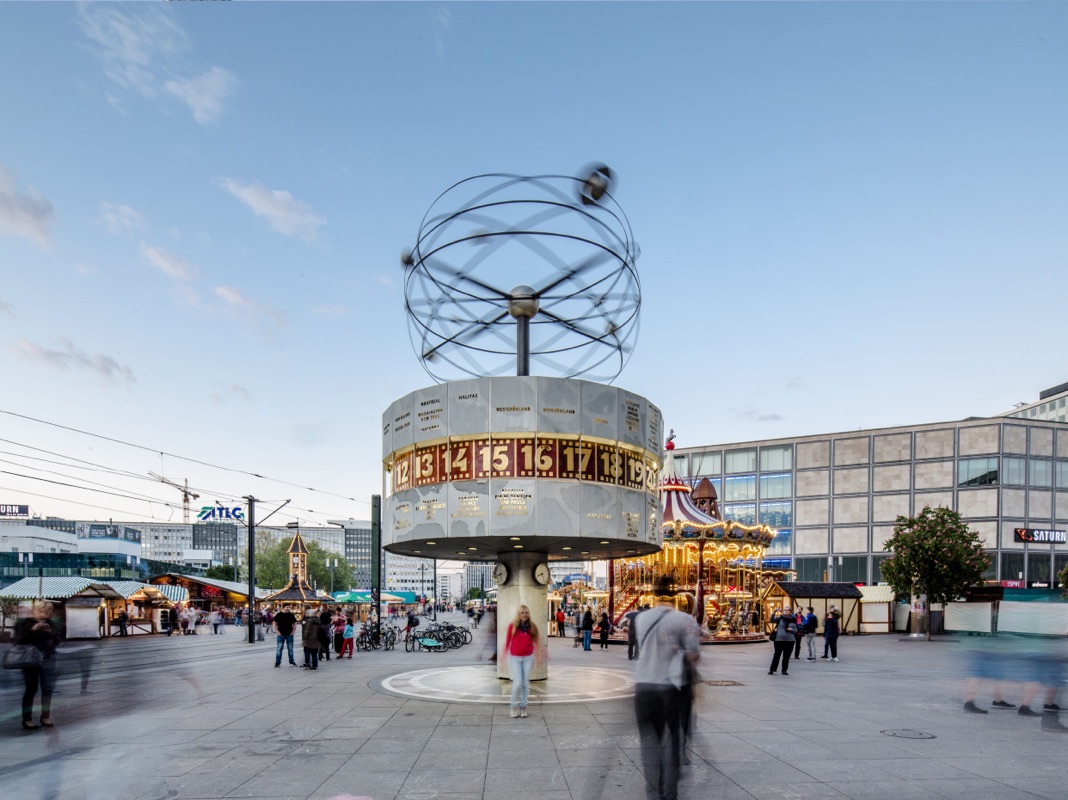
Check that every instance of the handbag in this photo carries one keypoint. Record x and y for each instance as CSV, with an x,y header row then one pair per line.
x,y
22,655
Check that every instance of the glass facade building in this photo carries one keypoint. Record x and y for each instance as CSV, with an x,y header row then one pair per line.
x,y
834,498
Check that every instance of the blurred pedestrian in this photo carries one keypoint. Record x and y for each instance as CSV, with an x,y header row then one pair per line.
x,y
667,640
172,619
830,635
812,623
309,638
41,633
604,627
284,623
587,628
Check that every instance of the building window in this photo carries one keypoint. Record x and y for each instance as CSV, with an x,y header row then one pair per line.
x,y
1012,566
739,488
1061,469
1038,566
852,569
777,515
811,569
740,461
775,486
877,568
706,464
780,545
1041,472
1060,561
977,471
745,513
776,459
1014,471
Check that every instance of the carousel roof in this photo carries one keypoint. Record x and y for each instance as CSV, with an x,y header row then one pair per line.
x,y
679,508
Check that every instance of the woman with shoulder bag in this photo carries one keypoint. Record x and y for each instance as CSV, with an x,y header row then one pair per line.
x,y
40,633
785,637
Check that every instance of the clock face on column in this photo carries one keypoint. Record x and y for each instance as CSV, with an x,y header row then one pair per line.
x,y
500,574
541,574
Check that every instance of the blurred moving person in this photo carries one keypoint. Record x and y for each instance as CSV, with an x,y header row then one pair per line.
x,y
41,632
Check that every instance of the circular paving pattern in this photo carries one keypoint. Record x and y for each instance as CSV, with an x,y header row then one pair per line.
x,y
480,684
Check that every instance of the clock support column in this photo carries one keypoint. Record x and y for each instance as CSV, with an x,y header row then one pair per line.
x,y
522,588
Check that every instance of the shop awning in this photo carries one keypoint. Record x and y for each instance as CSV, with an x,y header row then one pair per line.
x,y
59,589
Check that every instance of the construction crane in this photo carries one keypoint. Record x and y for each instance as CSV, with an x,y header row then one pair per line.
x,y
186,494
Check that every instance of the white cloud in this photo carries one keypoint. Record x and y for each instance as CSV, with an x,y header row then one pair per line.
x,y
233,390
120,219
283,212
86,270
205,94
330,311
67,357
132,46
440,22
142,52
169,264
24,214
238,301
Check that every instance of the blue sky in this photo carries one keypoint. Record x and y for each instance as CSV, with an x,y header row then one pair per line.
x,y
850,215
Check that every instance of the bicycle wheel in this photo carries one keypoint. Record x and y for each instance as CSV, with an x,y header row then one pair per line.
x,y
455,639
409,643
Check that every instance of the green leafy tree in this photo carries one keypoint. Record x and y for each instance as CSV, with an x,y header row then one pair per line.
x,y
934,554
1062,578
220,572
272,564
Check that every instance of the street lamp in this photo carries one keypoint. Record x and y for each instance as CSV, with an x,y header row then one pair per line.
x,y
422,583
333,563
235,563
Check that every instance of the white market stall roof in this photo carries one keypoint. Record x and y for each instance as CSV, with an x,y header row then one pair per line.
x,y
59,589
130,588
877,594
229,586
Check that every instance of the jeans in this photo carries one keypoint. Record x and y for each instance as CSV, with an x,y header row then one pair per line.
x,y
810,640
521,679
831,643
288,642
657,708
311,657
586,637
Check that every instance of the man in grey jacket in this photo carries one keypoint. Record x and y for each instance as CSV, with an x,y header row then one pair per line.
x,y
667,640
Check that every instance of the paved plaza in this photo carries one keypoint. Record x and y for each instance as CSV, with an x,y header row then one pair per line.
x,y
210,717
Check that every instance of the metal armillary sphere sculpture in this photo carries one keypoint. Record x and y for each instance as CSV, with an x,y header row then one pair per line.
x,y
551,256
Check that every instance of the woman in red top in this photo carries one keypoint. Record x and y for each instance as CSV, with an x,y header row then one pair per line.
x,y
519,647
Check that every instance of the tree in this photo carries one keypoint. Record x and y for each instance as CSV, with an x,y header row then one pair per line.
x,y
272,565
220,572
934,554
1062,578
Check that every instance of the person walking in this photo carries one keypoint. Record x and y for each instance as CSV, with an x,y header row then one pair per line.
x,y
785,637
660,678
40,632
604,627
799,633
632,633
561,618
284,623
587,629
519,644
339,622
309,637
172,619
123,618
215,618
811,624
830,635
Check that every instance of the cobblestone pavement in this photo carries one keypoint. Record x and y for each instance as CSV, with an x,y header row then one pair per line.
x,y
210,717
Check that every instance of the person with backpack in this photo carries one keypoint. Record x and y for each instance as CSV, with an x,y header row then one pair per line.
x,y
413,623
784,636
811,624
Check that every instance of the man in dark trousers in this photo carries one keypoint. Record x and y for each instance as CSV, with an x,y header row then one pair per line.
x,y
632,633
284,623
660,680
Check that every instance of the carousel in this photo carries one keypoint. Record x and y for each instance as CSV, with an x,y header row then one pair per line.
x,y
715,566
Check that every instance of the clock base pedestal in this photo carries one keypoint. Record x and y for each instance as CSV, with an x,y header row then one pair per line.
x,y
522,589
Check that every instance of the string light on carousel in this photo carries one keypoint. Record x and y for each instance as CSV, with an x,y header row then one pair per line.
x,y
715,565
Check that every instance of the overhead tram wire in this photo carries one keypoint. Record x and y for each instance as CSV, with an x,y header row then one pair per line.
x,y
179,457
171,506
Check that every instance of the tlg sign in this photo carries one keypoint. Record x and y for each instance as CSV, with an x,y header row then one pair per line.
x,y
221,512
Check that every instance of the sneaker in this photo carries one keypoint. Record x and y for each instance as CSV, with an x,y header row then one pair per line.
x,y
974,709
1051,707
523,712
1002,704
278,664
514,712
823,656
835,658
1025,711
292,663
810,659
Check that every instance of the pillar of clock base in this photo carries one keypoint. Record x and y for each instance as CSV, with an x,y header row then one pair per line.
x,y
521,588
